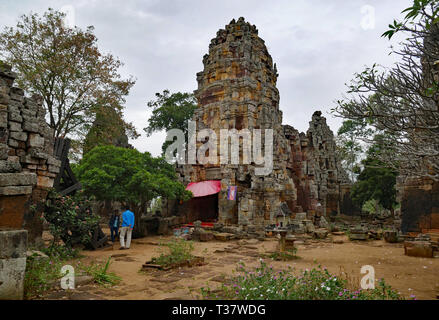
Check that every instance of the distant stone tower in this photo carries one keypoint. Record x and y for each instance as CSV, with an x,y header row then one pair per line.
x,y
237,90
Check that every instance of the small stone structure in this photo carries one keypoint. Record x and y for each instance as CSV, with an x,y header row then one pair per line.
x,y
13,246
237,90
419,198
27,164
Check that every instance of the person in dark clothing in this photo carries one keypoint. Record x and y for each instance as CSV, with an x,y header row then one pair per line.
x,y
114,225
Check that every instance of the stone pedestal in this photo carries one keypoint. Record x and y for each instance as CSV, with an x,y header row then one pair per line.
x,y
13,246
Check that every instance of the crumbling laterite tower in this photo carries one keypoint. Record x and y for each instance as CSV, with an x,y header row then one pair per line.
x,y
237,90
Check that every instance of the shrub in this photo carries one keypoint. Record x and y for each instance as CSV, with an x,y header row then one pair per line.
x,y
316,284
70,218
175,251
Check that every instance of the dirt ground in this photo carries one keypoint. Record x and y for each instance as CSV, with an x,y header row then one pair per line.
x,y
408,275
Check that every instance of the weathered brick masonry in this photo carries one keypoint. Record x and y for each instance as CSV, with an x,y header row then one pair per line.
x,y
27,165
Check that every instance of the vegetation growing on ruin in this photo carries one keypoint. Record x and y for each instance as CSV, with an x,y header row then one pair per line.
x,y
40,275
174,252
264,283
101,275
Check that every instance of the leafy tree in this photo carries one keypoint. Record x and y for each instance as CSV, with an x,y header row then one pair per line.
x,y
375,181
170,111
350,149
403,101
65,67
128,176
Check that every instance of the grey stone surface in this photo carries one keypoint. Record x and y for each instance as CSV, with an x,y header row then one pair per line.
x,y
9,166
17,179
15,190
13,246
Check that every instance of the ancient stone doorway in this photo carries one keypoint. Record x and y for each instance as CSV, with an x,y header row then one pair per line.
x,y
203,208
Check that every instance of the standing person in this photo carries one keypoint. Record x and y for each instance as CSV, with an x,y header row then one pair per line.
x,y
127,228
114,225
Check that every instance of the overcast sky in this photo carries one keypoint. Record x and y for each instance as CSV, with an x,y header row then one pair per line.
x,y
317,44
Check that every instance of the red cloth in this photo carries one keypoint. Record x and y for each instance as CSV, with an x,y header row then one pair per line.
x,y
204,188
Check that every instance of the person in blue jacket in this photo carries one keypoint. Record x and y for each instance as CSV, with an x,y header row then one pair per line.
x,y
127,228
114,225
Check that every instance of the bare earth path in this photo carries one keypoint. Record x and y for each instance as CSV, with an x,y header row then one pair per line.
x,y
409,275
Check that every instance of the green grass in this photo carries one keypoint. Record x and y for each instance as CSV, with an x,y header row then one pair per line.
x,y
43,273
100,274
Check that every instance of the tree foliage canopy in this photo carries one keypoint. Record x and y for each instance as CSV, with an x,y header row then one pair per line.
x,y
65,67
128,176
350,149
375,181
170,111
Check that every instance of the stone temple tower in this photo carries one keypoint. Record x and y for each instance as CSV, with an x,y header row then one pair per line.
x,y
237,90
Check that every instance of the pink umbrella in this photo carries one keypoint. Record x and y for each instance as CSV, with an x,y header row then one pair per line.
x,y
204,188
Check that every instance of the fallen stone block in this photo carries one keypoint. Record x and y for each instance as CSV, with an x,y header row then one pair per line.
x,y
391,236
224,236
321,233
206,236
421,249
35,254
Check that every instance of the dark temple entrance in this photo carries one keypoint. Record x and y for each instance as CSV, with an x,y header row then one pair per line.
x,y
203,208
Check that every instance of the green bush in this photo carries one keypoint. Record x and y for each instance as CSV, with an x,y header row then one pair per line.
x,y
70,218
316,284
174,251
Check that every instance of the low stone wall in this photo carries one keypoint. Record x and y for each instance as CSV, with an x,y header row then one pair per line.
x,y
13,247
27,165
419,199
